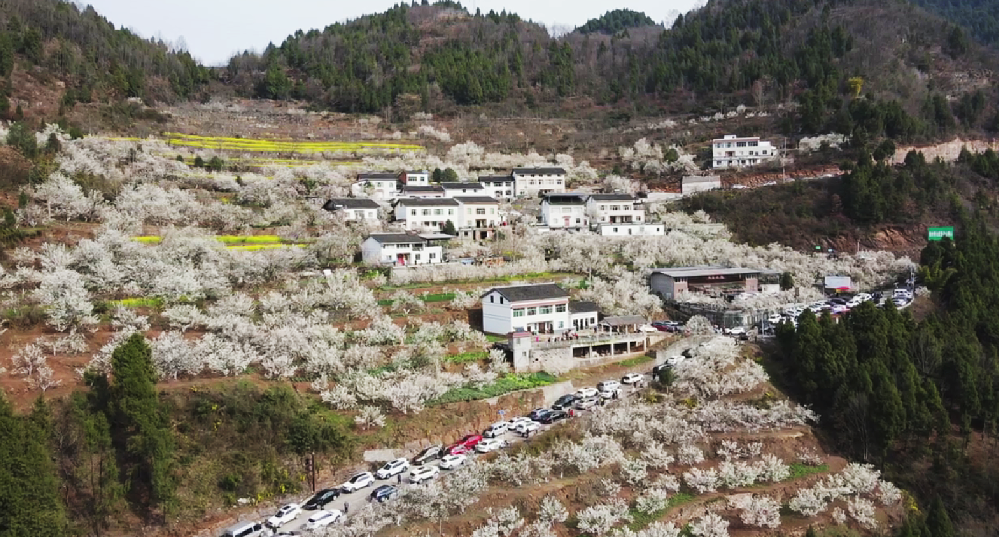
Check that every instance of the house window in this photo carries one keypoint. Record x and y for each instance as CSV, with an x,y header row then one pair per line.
x,y
417,257
492,299
560,308
412,213
754,144
561,324
577,220
545,310
518,313
426,212
433,255
480,211
501,299
615,230
532,311
437,212
450,212
718,163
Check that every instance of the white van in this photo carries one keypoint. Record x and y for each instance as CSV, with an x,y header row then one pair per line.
x,y
608,386
248,529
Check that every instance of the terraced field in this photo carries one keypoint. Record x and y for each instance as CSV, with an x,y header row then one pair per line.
x,y
249,145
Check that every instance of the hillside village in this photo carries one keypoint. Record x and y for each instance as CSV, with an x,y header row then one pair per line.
x,y
435,271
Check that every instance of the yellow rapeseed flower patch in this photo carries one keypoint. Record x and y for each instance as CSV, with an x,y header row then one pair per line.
x,y
222,143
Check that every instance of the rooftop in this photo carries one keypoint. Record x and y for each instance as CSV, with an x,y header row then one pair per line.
x,y
522,293
612,197
396,238
695,272
381,176
623,320
476,199
420,188
459,186
495,178
350,203
421,172
539,171
428,202
565,199
582,306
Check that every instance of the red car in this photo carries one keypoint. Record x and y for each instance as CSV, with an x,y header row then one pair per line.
x,y
464,445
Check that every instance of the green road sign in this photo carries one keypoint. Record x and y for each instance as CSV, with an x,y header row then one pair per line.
x,y
938,233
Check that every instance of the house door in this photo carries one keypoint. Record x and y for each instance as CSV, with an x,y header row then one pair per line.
x,y
401,260
567,221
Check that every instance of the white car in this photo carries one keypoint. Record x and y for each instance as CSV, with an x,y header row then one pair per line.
x,y
839,308
608,386
490,444
450,462
284,515
775,319
358,482
736,331
392,468
321,519
525,427
423,473
633,378
609,394
496,429
515,422
587,392
674,361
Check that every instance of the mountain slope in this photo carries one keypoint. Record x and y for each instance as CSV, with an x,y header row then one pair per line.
x,y
86,52
615,21
980,17
845,62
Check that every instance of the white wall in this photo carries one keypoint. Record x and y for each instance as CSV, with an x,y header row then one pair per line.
x,y
550,183
505,191
468,214
375,253
738,153
498,318
602,211
624,230
554,215
437,216
356,215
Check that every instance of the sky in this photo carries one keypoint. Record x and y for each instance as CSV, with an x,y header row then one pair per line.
x,y
214,30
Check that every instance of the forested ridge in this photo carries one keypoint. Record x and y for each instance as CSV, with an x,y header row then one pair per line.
x,y
817,53
94,58
615,21
980,17
919,398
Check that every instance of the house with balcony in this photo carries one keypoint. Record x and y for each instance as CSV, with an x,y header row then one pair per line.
x,y
540,308
353,209
534,181
420,214
615,209
500,187
733,151
478,217
403,249
565,211
463,189
414,177
379,186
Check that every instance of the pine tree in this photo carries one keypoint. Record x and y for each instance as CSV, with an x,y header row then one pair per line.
x,y
938,521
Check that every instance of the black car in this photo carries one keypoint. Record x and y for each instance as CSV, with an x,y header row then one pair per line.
x,y
384,492
320,499
538,413
564,402
553,416
428,454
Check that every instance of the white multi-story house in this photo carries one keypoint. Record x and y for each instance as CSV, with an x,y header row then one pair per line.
x,y
415,178
565,211
422,191
463,189
735,152
478,217
626,230
382,186
403,249
419,214
353,209
615,209
542,308
534,181
500,187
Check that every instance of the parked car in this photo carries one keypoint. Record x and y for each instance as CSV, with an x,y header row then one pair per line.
x,y
464,445
496,429
392,469
736,331
527,427
322,519
838,309
608,385
450,462
537,413
358,482
384,492
609,394
633,378
248,529
554,415
428,454
587,392
320,499
284,515
661,326
587,403
518,420
566,401
423,473
490,444
292,533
